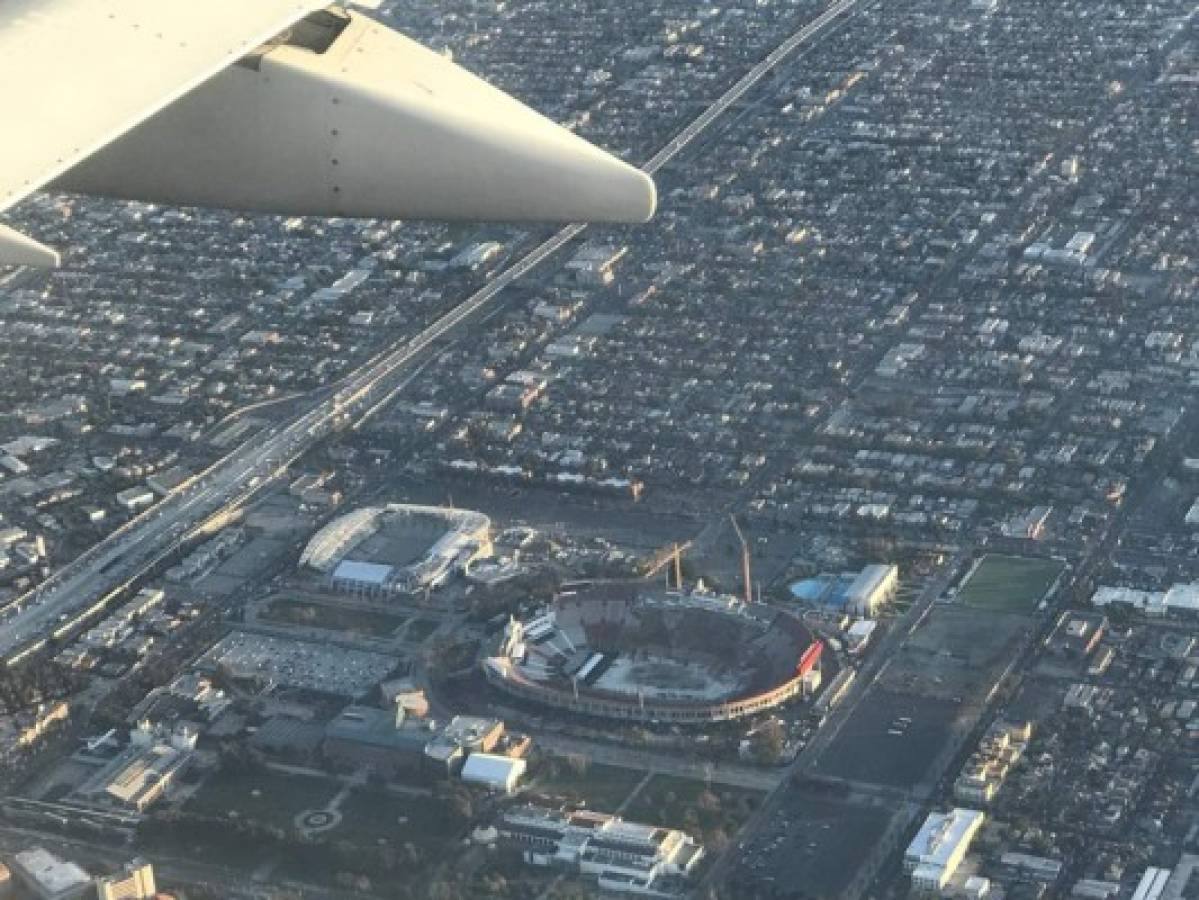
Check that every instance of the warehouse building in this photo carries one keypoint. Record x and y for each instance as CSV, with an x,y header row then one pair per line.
x,y
874,586
854,593
46,877
1181,599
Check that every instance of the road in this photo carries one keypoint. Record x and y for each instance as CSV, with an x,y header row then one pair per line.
x,y
663,762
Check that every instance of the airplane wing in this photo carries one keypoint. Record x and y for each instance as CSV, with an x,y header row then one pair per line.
x,y
277,106
79,73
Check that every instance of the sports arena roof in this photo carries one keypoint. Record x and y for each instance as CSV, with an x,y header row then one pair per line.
x,y
362,572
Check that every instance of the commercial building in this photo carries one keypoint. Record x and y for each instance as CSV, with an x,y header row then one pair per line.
x,y
494,772
940,846
1181,598
854,593
989,765
139,776
463,735
1030,525
135,498
389,742
859,634
1095,889
1077,634
394,741
1026,865
134,882
622,856
46,877
873,587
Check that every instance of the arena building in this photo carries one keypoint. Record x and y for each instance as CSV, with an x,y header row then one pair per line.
x,y
398,548
614,652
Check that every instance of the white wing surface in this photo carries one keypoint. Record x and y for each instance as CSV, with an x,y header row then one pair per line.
x,y
328,113
76,74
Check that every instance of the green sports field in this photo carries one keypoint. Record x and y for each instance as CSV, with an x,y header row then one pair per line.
x,y
1013,584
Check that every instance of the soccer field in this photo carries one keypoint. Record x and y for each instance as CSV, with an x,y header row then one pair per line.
x,y
1009,583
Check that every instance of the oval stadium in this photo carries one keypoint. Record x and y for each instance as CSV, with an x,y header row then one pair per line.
x,y
398,548
613,652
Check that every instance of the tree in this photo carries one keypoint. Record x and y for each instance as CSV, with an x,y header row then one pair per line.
x,y
716,841
458,800
577,764
768,742
708,802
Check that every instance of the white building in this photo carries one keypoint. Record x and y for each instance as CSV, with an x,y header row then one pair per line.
x,y
1152,884
859,634
135,498
622,856
493,771
47,877
940,846
1181,598
873,587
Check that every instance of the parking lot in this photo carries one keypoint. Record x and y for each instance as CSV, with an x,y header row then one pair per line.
x,y
300,664
891,739
817,846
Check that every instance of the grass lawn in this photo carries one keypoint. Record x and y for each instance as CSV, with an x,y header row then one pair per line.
x,y
602,788
278,800
1009,583
691,804
368,622
372,817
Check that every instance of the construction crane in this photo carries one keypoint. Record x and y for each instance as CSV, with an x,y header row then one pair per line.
x,y
745,569
670,555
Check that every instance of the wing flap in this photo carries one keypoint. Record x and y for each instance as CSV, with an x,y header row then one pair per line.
x,y
374,126
79,73
18,250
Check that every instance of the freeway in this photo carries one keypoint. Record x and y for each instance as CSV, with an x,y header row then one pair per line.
x,y
746,83
59,606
